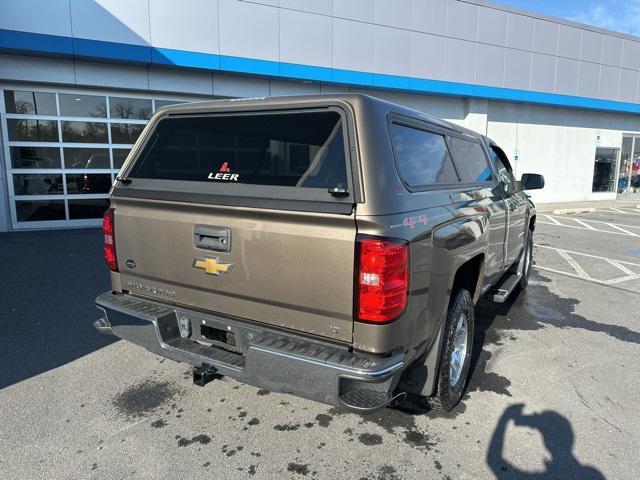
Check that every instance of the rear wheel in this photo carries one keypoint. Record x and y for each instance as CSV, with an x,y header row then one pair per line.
x,y
456,353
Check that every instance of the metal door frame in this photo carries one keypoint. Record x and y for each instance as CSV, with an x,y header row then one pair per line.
x,y
633,137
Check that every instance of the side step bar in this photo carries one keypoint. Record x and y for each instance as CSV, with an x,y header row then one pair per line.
x,y
508,285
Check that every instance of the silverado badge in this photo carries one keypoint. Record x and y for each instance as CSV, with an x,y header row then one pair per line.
x,y
213,265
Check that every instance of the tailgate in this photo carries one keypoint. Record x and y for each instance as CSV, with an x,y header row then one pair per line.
x,y
287,269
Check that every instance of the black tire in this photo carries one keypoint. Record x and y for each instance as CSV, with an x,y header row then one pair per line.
x,y
528,261
448,395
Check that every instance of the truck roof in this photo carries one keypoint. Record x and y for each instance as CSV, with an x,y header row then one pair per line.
x,y
353,99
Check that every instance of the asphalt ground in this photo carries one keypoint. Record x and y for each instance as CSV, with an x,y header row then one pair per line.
x,y
554,391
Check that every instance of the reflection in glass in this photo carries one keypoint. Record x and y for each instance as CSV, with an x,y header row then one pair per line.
x,y
30,103
119,156
84,132
86,158
90,208
72,105
125,132
135,108
423,158
470,161
604,169
35,157
88,182
39,210
37,184
33,130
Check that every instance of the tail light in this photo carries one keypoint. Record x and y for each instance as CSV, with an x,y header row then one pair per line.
x,y
383,279
109,231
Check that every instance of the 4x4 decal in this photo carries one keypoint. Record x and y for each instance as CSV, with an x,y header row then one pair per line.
x,y
411,222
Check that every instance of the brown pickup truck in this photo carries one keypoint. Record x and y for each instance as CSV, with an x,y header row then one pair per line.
x,y
331,247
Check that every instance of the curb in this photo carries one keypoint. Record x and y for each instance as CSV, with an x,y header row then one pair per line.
x,y
564,211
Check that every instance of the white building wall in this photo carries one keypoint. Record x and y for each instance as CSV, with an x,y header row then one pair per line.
x,y
559,144
471,41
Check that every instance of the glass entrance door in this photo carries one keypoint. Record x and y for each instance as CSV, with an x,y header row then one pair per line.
x,y
629,173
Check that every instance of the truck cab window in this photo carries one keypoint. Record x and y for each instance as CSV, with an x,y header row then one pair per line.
x,y
504,170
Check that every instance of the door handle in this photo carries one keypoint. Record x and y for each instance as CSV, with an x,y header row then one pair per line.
x,y
207,237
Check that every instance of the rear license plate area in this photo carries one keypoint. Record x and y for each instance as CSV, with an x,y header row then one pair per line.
x,y
218,335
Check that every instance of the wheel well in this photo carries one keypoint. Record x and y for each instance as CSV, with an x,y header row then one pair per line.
x,y
532,223
468,274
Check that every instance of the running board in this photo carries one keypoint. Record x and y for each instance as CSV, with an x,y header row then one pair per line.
x,y
508,285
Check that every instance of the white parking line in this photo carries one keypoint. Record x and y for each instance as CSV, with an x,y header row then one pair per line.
x,y
584,224
588,220
625,212
573,252
556,222
619,266
630,234
613,225
579,272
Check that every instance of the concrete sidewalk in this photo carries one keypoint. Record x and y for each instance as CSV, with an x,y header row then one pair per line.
x,y
586,206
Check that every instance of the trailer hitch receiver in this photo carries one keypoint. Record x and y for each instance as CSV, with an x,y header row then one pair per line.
x,y
204,374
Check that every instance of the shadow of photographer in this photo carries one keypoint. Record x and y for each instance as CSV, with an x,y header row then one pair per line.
x,y
558,439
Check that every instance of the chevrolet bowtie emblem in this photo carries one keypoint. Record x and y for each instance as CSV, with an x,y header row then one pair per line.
x,y
212,265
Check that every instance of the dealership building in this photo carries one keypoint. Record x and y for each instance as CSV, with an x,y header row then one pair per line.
x,y
79,79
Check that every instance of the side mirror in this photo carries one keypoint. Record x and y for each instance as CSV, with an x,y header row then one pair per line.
x,y
532,181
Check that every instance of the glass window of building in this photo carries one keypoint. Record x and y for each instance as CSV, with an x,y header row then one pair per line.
x,y
35,157
72,105
119,156
65,148
88,183
32,130
40,210
604,170
84,132
87,208
131,108
30,103
126,133
37,184
86,158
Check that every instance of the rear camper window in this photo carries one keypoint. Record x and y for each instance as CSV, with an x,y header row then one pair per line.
x,y
304,150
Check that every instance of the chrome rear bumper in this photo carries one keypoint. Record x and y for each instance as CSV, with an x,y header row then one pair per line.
x,y
259,355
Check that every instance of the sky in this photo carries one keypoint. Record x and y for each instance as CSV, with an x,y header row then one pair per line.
x,y
618,15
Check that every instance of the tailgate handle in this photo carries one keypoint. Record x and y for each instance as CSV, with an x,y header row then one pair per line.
x,y
217,239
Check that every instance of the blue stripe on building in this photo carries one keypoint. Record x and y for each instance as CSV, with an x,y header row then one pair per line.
x,y
12,41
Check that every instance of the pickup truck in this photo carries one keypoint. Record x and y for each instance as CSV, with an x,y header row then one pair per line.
x,y
329,246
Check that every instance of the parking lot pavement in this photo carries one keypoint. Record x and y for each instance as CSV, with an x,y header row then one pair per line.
x,y
601,246
554,393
